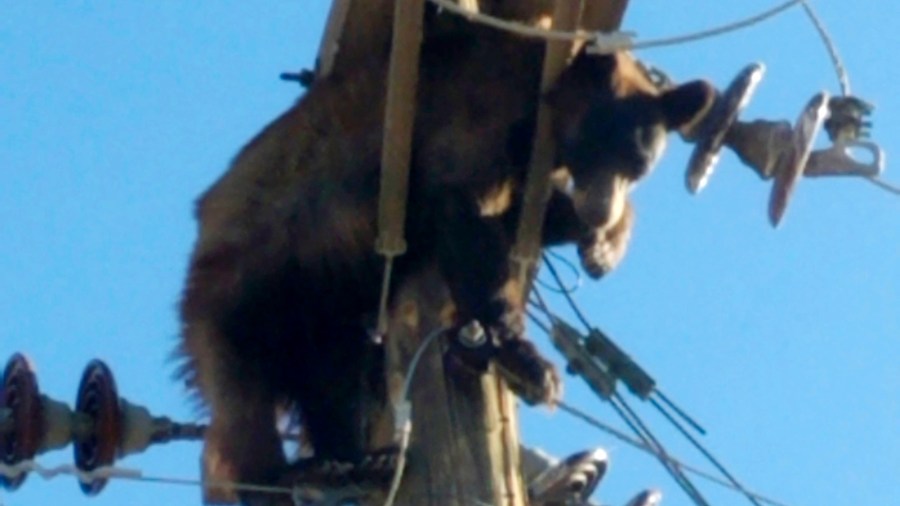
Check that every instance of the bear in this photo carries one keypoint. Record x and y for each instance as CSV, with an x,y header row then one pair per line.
x,y
284,274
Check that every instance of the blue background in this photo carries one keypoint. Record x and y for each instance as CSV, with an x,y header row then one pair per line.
x,y
783,343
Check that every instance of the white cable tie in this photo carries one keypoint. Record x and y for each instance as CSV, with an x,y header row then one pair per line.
x,y
402,418
610,42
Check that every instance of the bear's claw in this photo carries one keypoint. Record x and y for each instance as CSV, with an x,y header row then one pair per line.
x,y
529,375
375,468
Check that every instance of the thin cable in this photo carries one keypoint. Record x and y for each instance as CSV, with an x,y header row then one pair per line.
x,y
512,26
110,472
13,471
578,313
719,30
605,42
674,471
706,453
543,326
684,416
884,185
842,76
646,446
572,268
542,304
637,425
597,424
839,68
403,415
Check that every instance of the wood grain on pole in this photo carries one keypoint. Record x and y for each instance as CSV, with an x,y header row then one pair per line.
x,y
331,37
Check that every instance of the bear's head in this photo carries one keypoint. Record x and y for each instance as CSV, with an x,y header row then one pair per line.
x,y
610,123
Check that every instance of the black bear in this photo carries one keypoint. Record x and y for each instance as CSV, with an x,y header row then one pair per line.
x,y
284,272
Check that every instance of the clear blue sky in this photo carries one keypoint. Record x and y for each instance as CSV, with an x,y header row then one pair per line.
x,y
785,344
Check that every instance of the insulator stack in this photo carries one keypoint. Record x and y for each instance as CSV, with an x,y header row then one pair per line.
x,y
778,150
103,427
22,427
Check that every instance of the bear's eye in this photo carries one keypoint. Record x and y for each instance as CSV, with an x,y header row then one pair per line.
x,y
651,141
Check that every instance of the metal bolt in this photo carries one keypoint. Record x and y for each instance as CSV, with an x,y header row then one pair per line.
x,y
473,335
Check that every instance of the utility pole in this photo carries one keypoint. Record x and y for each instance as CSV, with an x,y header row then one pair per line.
x,y
464,446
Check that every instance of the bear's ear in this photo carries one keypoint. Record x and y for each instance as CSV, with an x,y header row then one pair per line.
x,y
685,105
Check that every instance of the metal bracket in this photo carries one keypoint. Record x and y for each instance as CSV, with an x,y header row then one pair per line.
x,y
779,151
838,160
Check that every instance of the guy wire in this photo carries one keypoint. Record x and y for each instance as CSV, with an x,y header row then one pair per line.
x,y
706,453
597,424
640,429
830,46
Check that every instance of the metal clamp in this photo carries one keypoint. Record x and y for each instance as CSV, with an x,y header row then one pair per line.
x,y
838,160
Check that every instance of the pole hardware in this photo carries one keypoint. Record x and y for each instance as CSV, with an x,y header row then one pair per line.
x,y
103,427
780,151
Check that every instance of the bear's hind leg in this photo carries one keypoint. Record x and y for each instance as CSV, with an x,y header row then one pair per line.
x,y
242,444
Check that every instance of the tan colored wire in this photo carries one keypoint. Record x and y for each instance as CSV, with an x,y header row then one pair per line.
x,y
605,42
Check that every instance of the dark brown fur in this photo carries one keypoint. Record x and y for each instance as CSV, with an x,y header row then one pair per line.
x,y
284,270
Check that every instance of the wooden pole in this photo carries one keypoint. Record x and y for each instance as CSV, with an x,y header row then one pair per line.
x,y
331,37
465,444
464,440
566,17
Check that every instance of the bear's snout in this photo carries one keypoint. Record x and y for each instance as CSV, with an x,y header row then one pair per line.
x,y
601,203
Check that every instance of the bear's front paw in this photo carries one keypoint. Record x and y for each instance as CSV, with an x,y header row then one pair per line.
x,y
529,375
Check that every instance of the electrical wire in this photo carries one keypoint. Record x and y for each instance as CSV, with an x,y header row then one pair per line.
x,y
402,419
830,46
843,77
637,425
403,415
884,185
684,416
110,472
598,424
568,296
719,30
706,453
609,42
13,471
572,268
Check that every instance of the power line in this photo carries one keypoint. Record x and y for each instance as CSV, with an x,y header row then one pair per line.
x,y
632,419
598,424
584,321
608,43
830,46
637,426
719,30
